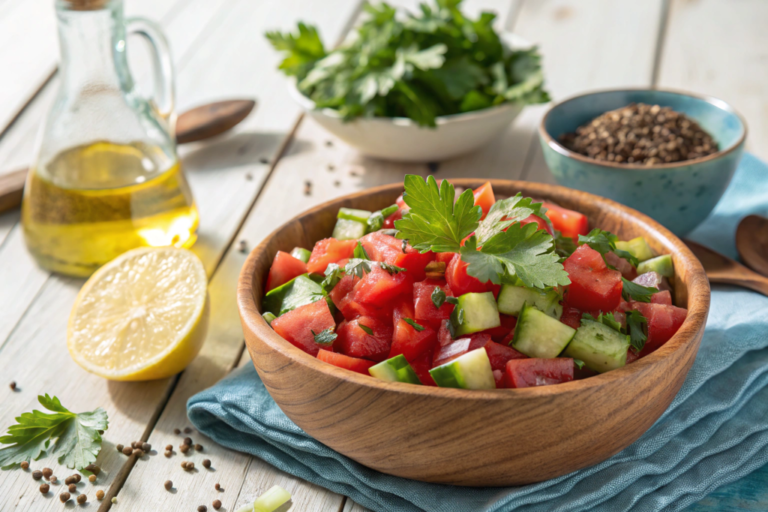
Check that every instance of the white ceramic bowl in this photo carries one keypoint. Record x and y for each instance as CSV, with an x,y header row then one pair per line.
x,y
402,140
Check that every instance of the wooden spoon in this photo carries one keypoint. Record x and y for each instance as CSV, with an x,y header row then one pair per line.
x,y
752,242
196,124
722,269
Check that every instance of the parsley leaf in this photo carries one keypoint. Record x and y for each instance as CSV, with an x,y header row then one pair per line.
x,y
636,291
452,300
504,213
438,297
391,269
333,274
413,324
325,337
522,251
303,49
360,252
637,336
357,267
434,222
74,436
365,328
605,242
579,363
564,245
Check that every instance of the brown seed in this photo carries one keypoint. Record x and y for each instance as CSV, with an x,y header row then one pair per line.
x,y
99,495
70,479
168,485
169,447
243,248
184,448
190,466
146,447
168,453
64,497
44,488
25,465
176,431
134,445
187,430
92,478
307,188
47,472
119,447
89,467
184,464
127,450
82,499
138,452
198,447
77,477
37,474
188,441
207,463
202,508
54,479
95,469
216,504
72,487
13,385
217,487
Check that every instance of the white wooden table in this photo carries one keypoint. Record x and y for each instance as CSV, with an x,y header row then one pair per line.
x,y
709,46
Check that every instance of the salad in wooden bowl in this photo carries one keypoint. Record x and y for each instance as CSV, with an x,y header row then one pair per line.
x,y
472,341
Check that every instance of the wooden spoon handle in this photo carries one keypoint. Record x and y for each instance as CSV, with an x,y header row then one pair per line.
x,y
193,125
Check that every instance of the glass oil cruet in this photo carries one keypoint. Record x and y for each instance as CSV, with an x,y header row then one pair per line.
x,y
107,177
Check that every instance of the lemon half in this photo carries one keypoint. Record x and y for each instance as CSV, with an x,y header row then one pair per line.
x,y
142,316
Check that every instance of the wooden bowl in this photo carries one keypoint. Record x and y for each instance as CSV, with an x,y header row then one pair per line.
x,y
463,437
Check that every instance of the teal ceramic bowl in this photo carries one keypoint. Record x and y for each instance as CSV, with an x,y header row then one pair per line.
x,y
678,195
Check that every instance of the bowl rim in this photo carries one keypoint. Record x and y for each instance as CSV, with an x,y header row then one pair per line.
x,y
698,310
717,102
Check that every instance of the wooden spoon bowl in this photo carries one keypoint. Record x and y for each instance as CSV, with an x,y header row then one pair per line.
x,y
474,438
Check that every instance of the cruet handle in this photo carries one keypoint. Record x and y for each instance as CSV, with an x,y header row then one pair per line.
x,y
162,63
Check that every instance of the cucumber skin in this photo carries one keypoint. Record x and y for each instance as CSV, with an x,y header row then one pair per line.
x,y
660,264
475,301
275,300
547,301
301,254
346,229
637,247
395,369
593,352
353,214
268,317
469,371
532,318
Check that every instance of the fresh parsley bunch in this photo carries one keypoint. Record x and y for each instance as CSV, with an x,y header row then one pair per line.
x,y
434,63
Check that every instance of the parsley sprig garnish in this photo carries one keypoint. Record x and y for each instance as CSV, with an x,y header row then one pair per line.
x,y
605,242
637,292
75,437
506,212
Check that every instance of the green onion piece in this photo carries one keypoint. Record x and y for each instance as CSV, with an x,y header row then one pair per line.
x,y
271,500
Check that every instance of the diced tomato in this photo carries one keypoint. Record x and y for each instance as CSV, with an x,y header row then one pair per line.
x,y
382,247
498,377
389,222
348,363
499,355
663,297
421,366
583,372
403,308
284,268
329,250
444,257
508,338
632,356
412,343
628,271
524,373
484,197
538,220
498,334
378,287
352,309
663,323
593,285
461,282
424,308
568,222
571,316
354,341
401,202
296,326
342,289
459,347
444,334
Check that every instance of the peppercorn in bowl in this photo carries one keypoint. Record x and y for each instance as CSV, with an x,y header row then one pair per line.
x,y
668,154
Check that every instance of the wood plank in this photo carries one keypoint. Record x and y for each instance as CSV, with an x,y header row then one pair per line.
x,y
351,506
721,51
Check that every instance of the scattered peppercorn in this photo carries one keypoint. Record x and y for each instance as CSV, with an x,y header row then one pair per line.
x,y
82,499
95,469
207,463
184,448
249,176
198,447
119,447
77,477
25,465
243,248
169,447
184,464
202,508
135,444
329,143
307,188
37,474
187,430
216,504
138,452
146,447
72,487
168,453
64,497
54,479
99,495
176,431
127,450
168,485
217,487
92,478
70,479
13,385
188,441
44,488
190,466
337,183
263,160
47,472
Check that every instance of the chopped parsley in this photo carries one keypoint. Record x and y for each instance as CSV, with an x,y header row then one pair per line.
x,y
636,325
637,292
391,269
413,324
605,242
365,328
325,337
359,252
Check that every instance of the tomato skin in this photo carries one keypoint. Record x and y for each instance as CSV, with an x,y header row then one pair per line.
x,y
538,220
382,247
525,373
447,353
632,356
355,342
571,316
499,354
460,282
484,197
628,271
378,287
421,366
412,343
568,222
663,322
296,326
594,287
444,257
424,308
342,289
348,363
401,202
389,222
444,334
327,251
284,268
662,297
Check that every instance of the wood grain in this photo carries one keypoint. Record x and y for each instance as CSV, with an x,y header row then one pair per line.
x,y
361,417
722,269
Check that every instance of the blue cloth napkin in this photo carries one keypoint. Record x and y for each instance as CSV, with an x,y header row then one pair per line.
x,y
715,431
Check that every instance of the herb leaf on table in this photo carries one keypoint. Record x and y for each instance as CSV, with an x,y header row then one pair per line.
x,y
74,436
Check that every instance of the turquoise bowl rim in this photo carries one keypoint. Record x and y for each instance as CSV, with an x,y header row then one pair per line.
x,y
718,103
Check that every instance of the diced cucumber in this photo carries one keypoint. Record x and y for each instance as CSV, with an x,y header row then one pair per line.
x,y
352,214
475,312
297,292
301,253
346,229
660,264
637,247
599,346
539,335
268,317
512,299
470,371
395,369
